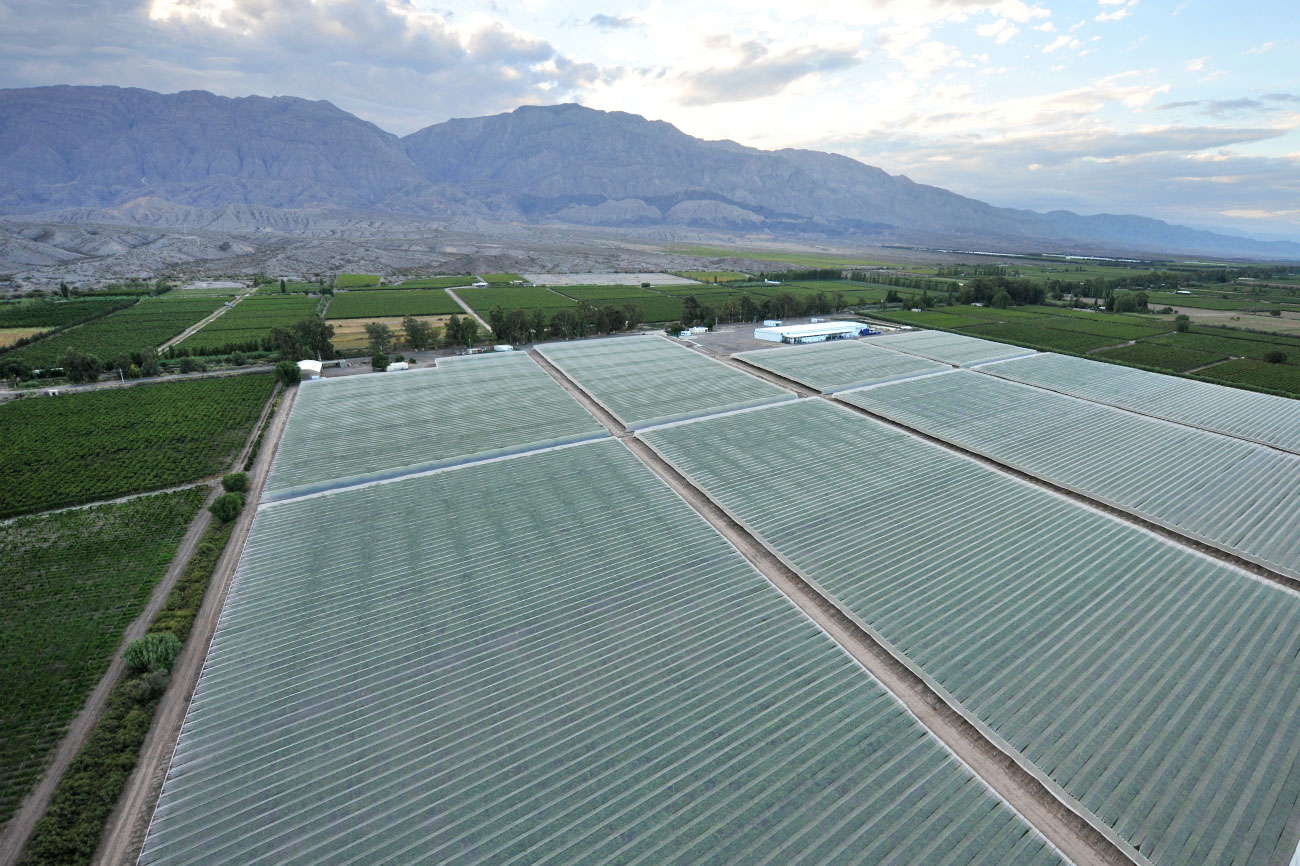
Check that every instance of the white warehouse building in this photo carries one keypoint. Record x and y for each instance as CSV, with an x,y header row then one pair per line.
x,y
812,332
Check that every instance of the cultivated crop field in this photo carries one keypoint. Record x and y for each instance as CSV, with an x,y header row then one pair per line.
x,y
356,281
83,447
435,282
70,582
377,304
526,298
655,306
1279,377
146,325
1164,357
250,320
56,314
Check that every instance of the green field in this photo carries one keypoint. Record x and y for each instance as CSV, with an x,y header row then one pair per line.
x,y
144,326
70,582
446,282
411,302
1279,377
250,320
712,276
1159,355
56,314
1210,302
83,447
1038,337
525,298
655,306
356,281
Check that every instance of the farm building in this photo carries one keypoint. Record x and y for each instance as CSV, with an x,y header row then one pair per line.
x,y
310,369
813,332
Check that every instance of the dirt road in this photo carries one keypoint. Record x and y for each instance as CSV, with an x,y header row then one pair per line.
x,y
19,828
126,828
468,309
1061,819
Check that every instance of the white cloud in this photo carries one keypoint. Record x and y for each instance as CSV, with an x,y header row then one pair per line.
x,y
1000,31
1261,49
1195,65
1060,42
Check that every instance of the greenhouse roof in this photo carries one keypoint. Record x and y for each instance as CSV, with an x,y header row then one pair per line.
x,y
1155,685
650,380
582,672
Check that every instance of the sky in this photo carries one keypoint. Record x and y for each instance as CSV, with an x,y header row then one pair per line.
x,y
1185,111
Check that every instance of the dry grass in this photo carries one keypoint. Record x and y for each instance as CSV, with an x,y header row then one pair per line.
x,y
9,336
350,334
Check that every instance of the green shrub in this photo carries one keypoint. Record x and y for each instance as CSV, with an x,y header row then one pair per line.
x,y
235,482
288,373
227,506
153,652
1275,356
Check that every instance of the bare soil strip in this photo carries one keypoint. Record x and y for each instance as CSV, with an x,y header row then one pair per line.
x,y
20,826
197,326
124,835
467,308
1170,533
1061,819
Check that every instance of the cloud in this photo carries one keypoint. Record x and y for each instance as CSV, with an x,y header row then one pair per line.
x,y
759,73
1000,31
1261,49
611,22
387,60
1195,65
1060,42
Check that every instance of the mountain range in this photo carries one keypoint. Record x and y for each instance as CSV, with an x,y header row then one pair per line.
x,y
76,150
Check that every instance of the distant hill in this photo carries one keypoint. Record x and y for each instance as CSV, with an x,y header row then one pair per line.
x,y
105,147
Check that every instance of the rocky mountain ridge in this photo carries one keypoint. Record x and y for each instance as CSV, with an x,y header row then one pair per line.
x,y
87,154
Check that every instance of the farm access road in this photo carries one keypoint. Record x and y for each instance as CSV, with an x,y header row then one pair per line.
x,y
127,826
1067,824
19,828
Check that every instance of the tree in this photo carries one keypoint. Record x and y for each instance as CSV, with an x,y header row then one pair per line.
x,y
283,288
80,367
14,369
379,361
288,373
468,331
690,310
419,335
1275,312
537,324
63,289
454,328
1002,300
1182,323
153,652
1124,302
235,482
380,337
1275,356
227,506
313,336
193,365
